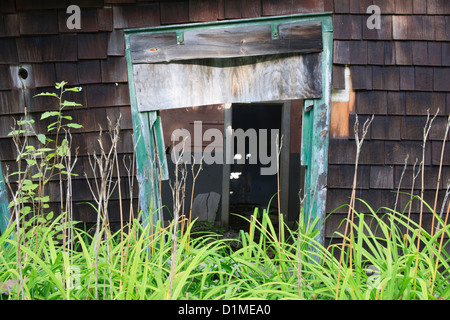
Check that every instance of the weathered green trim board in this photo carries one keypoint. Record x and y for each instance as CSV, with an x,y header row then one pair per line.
x,y
5,215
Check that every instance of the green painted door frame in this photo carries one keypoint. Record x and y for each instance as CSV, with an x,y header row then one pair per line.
x,y
5,215
149,141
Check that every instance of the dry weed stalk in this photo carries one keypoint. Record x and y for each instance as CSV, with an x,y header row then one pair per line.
x,y
177,188
351,208
104,187
426,131
439,174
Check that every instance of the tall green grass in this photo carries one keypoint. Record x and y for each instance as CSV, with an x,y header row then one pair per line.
x,y
268,265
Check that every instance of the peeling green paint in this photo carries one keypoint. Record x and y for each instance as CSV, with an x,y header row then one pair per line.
x,y
5,215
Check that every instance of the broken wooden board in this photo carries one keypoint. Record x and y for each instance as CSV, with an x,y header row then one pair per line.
x,y
239,80
229,42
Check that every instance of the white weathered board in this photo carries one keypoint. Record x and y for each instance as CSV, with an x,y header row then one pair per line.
x,y
238,80
226,42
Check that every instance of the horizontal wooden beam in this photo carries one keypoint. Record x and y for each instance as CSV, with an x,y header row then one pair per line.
x,y
217,81
227,42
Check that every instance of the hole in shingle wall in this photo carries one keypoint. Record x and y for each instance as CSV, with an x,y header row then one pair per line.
x,y
23,73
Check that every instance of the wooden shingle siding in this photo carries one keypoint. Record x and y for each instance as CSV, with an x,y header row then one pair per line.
x,y
404,77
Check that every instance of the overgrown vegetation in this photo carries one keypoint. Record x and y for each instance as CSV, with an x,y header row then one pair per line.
x,y
382,254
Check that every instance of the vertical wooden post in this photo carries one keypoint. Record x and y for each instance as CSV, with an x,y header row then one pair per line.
x,y
5,215
227,157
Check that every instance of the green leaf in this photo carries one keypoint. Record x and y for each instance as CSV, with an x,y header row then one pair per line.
x,y
67,117
74,125
70,104
60,85
23,122
46,94
41,138
31,162
74,89
49,114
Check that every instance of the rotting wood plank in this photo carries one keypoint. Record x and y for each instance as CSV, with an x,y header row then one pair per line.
x,y
245,80
229,42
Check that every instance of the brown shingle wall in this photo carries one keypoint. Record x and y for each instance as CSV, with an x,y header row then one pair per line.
x,y
401,72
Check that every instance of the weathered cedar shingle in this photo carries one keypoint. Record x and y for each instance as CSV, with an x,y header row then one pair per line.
x,y
252,8
92,45
399,27
338,77
437,7
44,74
442,24
114,69
420,52
429,28
344,151
361,77
423,78
396,102
415,27
418,102
441,79
30,49
107,95
203,10
105,19
445,53
347,27
406,78
375,52
280,7
341,6
136,16
371,102
38,22
404,7
358,52
11,25
407,180
419,6
341,52
386,128
8,53
386,78
341,176
381,177
396,151
68,72
59,48
232,9
116,43
174,12
22,5
5,79
412,127
7,6
89,71
434,53
436,153
389,53
403,52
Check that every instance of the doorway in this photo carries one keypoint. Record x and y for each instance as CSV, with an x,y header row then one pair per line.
x,y
258,149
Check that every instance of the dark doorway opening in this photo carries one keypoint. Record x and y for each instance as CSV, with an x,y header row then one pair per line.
x,y
248,187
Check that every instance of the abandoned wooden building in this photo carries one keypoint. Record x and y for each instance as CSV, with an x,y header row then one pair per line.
x,y
298,69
